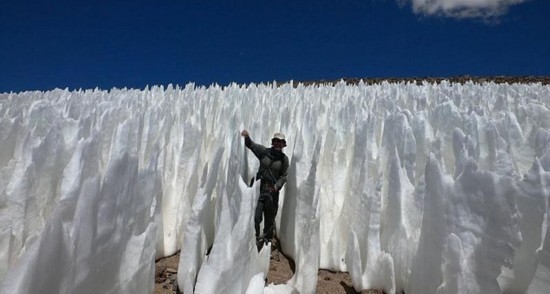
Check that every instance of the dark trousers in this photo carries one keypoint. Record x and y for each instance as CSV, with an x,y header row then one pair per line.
x,y
268,204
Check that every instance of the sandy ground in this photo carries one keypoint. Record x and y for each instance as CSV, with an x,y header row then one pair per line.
x,y
281,270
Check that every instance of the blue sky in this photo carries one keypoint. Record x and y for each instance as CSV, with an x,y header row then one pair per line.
x,y
109,43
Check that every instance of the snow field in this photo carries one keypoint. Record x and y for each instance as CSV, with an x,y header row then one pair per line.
x,y
422,188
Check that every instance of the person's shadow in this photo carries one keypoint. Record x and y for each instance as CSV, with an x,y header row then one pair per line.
x,y
348,289
351,290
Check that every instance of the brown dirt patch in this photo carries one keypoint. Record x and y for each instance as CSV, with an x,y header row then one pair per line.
x,y
281,268
166,270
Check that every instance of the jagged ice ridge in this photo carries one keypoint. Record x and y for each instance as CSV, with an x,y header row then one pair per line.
x,y
432,188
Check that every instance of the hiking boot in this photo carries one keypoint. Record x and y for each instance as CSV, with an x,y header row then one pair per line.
x,y
274,244
259,243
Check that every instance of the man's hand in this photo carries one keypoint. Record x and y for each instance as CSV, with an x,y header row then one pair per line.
x,y
244,133
273,189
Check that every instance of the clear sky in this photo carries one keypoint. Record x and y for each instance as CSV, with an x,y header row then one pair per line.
x,y
110,43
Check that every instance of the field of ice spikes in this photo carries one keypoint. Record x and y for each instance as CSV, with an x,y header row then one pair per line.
x,y
431,188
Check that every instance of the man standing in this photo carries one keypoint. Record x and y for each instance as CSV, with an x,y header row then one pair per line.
x,y
273,174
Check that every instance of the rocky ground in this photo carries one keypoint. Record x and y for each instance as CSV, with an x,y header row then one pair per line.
x,y
166,270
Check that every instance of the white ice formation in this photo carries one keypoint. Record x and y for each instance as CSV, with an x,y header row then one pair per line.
x,y
431,188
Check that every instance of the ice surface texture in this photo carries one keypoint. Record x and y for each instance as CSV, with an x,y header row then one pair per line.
x,y
421,188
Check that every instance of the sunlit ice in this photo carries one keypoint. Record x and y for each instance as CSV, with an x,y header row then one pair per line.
x,y
421,188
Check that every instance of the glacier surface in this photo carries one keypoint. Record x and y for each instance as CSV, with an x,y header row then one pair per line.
x,y
429,188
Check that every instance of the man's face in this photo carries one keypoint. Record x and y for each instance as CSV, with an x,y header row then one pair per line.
x,y
278,144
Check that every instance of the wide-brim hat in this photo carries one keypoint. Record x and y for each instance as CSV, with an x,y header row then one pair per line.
x,y
279,137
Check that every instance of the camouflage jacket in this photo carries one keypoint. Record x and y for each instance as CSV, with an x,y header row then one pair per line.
x,y
273,166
